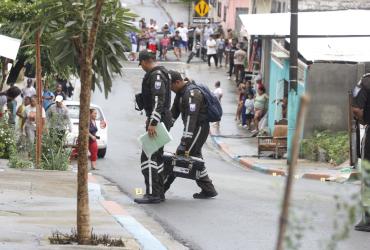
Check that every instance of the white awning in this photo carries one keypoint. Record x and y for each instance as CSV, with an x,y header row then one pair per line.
x,y
349,49
326,23
9,47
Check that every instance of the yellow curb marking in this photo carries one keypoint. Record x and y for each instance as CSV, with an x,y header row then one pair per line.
x,y
296,176
138,191
273,174
322,179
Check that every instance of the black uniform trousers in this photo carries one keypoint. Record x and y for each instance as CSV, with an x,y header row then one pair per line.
x,y
152,169
198,140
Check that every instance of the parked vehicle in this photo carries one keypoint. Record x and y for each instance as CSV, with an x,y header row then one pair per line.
x,y
74,112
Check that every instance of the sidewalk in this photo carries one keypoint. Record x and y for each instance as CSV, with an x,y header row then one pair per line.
x,y
36,203
238,144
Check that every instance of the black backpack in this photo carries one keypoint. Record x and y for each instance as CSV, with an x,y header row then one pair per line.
x,y
214,108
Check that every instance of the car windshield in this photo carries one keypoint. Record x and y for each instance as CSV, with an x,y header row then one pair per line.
x,y
74,112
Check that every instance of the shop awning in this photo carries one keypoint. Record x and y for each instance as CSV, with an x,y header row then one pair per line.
x,y
326,23
9,47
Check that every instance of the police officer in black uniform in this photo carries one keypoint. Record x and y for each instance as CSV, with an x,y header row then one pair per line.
x,y
189,102
156,101
361,111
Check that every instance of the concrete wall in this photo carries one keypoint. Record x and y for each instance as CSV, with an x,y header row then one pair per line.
x,y
328,84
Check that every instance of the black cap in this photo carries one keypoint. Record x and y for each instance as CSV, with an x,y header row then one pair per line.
x,y
145,55
175,76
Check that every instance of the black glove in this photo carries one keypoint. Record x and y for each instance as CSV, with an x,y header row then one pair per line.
x,y
181,149
139,102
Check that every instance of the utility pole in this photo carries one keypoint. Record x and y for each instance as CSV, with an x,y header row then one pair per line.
x,y
39,123
293,151
293,45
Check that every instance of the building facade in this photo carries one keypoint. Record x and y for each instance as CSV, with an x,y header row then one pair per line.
x,y
226,12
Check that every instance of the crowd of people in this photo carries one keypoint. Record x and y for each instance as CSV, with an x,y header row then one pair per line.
x,y
54,113
206,42
214,46
252,106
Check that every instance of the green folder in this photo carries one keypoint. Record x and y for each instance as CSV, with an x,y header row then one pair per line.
x,y
151,145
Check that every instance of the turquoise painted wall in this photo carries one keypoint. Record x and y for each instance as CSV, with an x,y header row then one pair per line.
x,y
276,91
279,72
293,107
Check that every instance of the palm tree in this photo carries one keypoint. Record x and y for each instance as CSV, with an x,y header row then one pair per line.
x,y
85,38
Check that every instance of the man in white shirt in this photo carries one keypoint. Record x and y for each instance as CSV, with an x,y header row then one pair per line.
x,y
184,36
212,50
29,90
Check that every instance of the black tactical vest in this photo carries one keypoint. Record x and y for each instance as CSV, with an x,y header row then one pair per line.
x,y
147,85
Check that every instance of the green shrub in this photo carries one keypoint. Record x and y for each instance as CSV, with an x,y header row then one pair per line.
x,y
335,146
6,138
55,156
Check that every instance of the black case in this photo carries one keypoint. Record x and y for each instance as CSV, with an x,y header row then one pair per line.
x,y
183,167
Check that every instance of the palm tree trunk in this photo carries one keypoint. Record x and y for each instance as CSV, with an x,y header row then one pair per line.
x,y
83,211
4,72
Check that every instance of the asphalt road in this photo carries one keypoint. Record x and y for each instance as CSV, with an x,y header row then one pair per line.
x,y
245,214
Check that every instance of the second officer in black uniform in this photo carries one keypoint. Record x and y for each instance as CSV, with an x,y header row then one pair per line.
x,y
156,101
361,111
190,104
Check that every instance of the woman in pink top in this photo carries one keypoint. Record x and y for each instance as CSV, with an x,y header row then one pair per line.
x,y
165,43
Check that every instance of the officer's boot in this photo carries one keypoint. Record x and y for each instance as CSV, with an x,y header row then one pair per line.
x,y
205,195
364,224
148,199
208,190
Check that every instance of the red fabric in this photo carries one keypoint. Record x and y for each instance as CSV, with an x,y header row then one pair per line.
x,y
153,48
93,148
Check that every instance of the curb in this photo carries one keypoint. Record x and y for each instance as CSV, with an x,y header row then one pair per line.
x,y
249,164
143,236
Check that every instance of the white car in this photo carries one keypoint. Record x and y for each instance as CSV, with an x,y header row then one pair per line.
x,y
74,112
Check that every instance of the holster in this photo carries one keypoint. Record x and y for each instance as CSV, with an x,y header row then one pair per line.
x,y
139,102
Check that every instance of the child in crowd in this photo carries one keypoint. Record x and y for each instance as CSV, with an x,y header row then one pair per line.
x,y
240,106
249,111
219,94
165,43
218,91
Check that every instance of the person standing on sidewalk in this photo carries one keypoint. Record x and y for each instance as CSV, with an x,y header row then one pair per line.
x,y
190,104
361,112
220,49
30,114
8,96
177,41
29,90
156,101
239,57
212,50
47,96
58,120
232,51
261,102
93,143
219,94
